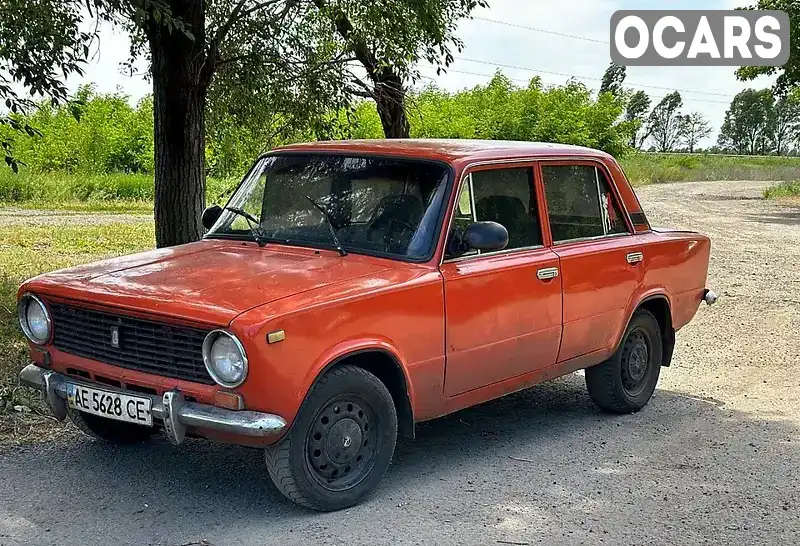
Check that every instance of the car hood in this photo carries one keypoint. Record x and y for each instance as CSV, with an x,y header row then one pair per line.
x,y
210,281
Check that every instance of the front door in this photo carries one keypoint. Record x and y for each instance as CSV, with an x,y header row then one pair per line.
x,y
601,261
503,308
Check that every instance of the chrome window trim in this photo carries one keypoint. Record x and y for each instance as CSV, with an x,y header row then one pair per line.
x,y
492,254
587,239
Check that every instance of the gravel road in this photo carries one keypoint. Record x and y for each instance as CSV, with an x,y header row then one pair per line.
x,y
714,459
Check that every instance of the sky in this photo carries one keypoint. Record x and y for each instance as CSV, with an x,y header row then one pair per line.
x,y
497,36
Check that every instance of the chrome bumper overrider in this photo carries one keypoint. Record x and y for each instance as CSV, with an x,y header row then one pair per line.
x,y
172,408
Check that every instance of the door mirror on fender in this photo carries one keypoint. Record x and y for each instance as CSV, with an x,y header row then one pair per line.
x,y
485,236
211,215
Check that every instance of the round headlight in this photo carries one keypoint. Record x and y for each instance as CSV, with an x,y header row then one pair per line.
x,y
225,359
34,319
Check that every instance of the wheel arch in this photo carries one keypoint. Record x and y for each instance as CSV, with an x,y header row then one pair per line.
x,y
659,305
387,366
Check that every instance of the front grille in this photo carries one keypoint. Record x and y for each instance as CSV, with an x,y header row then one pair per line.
x,y
143,345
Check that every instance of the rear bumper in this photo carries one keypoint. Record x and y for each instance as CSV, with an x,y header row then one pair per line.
x,y
172,408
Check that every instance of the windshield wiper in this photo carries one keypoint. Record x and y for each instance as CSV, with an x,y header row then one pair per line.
x,y
252,223
339,247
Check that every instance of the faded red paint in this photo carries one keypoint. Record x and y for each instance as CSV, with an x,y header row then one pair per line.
x,y
463,332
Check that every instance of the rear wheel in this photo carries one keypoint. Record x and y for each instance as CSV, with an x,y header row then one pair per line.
x,y
625,382
109,430
341,443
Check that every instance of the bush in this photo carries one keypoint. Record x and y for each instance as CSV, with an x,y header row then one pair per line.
x,y
647,168
55,188
784,189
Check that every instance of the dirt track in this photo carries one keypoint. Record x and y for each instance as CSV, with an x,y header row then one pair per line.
x,y
714,459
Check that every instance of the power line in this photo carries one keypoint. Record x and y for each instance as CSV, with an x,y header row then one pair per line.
x,y
591,78
688,99
584,38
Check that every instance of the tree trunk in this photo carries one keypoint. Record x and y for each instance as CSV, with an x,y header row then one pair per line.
x,y
179,99
390,98
388,92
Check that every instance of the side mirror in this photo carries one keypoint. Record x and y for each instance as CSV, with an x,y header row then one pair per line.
x,y
211,215
486,236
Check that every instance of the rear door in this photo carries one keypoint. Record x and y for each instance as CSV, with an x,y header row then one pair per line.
x,y
503,309
601,260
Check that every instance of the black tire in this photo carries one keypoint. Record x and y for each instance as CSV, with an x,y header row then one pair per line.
x,y
625,382
340,444
109,430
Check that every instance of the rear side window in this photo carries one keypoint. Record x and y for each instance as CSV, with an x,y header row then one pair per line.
x,y
580,203
504,196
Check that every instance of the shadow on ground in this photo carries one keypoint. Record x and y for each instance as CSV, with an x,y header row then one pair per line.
x,y
538,467
789,216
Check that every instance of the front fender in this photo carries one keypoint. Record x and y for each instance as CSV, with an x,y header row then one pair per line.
x,y
336,353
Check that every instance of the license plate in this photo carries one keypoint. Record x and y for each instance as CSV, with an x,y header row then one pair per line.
x,y
121,407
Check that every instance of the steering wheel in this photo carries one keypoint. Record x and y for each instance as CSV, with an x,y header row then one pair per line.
x,y
387,238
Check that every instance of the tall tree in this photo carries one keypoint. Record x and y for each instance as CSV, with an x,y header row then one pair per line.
x,y
749,123
613,79
788,74
664,122
786,121
284,57
694,128
636,112
388,39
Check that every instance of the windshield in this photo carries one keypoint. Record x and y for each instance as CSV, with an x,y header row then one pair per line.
x,y
372,205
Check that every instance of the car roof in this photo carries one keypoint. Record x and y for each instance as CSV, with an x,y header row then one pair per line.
x,y
448,150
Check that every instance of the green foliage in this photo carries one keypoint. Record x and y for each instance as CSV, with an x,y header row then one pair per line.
x,y
60,189
567,114
749,123
613,79
789,74
693,128
648,168
110,137
636,113
664,123
783,190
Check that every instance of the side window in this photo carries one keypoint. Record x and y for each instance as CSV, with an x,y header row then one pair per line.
x,y
505,196
580,203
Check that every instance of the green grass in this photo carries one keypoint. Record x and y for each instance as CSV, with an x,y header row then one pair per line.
x,y
644,169
111,192
26,251
783,190
134,192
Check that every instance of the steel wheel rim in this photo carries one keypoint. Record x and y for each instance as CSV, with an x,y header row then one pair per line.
x,y
636,362
342,443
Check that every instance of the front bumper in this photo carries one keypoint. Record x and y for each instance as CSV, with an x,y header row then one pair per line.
x,y
172,408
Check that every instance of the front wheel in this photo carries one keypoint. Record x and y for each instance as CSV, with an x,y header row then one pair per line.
x,y
341,443
625,382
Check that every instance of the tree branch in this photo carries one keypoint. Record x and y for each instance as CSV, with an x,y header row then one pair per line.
x,y
237,14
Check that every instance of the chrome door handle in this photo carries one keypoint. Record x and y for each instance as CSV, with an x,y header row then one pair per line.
x,y
635,258
547,273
